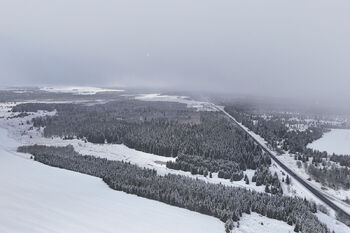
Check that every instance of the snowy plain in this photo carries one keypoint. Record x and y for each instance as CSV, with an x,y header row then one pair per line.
x,y
335,141
199,105
78,90
38,198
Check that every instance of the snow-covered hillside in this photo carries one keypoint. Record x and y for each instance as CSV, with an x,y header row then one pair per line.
x,y
37,198
335,141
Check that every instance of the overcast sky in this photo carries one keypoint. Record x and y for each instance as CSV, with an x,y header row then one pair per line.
x,y
282,48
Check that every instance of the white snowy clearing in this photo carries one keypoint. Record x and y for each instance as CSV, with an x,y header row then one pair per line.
x,y
335,141
254,223
38,198
199,105
78,90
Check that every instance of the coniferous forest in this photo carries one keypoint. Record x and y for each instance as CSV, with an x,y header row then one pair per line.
x,y
226,203
203,142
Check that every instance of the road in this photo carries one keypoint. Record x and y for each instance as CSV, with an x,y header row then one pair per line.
x,y
292,174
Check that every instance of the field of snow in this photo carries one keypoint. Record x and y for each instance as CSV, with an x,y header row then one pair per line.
x,y
38,198
78,90
335,141
199,105
254,223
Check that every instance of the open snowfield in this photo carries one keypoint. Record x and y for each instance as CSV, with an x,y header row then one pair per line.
x,y
38,198
336,141
199,105
78,90
254,223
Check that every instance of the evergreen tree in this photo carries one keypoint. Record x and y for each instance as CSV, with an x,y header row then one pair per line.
x,y
288,180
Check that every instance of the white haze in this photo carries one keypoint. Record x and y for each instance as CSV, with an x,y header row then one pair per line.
x,y
277,48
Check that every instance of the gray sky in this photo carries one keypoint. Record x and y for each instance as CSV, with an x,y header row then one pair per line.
x,y
289,48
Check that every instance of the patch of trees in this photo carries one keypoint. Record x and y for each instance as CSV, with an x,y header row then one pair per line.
x,y
343,160
203,143
332,176
325,169
275,131
262,176
226,203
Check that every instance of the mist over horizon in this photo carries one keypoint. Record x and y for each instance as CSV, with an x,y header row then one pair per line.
x,y
275,49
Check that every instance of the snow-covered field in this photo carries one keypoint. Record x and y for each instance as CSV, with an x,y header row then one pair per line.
x,y
335,141
199,105
254,223
78,90
38,198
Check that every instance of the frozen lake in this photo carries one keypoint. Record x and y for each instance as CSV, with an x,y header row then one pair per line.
x,y
336,141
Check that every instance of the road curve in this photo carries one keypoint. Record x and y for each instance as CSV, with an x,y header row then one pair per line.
x,y
289,171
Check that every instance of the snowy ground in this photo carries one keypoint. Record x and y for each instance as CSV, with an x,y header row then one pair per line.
x,y
38,198
254,223
199,105
335,141
78,90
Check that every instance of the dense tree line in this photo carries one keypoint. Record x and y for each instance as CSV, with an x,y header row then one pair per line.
x,y
203,143
226,203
